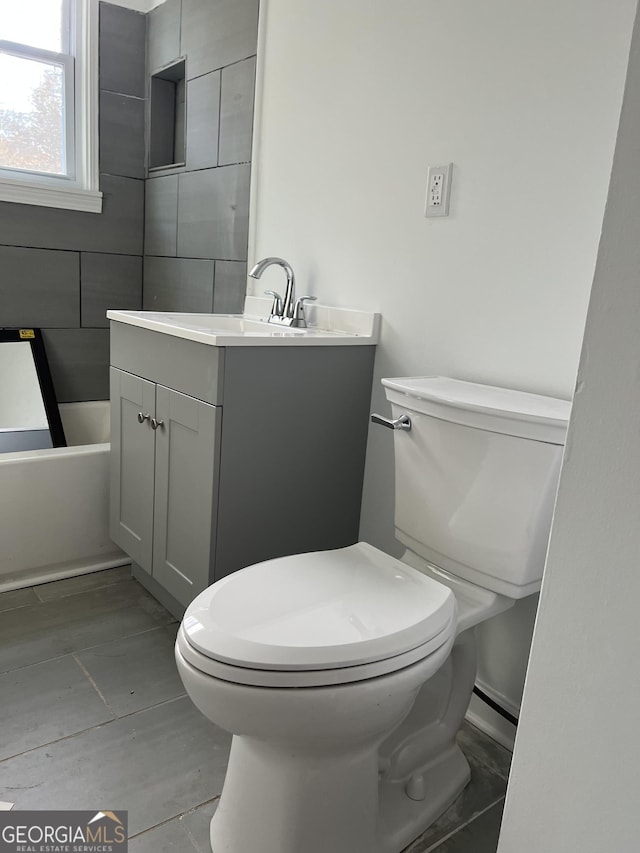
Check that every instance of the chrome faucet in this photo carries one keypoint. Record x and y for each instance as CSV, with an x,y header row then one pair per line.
x,y
288,311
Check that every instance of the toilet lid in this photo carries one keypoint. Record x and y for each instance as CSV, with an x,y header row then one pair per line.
x,y
322,610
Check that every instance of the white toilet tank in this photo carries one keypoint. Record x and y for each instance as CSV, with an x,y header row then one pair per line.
x,y
476,478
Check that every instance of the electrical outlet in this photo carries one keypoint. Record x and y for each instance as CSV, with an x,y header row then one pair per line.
x,y
438,190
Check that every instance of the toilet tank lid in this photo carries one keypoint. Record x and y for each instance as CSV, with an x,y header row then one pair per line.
x,y
501,410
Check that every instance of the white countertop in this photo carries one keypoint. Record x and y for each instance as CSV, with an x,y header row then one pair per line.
x,y
326,326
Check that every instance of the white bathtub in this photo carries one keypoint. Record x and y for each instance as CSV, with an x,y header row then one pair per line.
x,y
54,504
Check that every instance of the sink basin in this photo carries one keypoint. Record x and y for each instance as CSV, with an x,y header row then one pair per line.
x,y
343,327
222,323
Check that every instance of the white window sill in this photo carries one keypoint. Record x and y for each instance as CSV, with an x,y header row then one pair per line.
x,y
66,198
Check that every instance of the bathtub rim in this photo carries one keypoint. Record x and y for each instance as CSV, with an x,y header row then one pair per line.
x,y
57,452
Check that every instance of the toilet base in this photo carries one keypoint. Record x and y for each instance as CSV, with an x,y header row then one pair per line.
x,y
275,800
401,820
330,808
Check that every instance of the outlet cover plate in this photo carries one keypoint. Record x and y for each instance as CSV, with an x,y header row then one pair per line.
x,y
438,190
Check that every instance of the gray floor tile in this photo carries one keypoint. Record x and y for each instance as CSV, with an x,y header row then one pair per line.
x,y
485,751
197,824
136,672
45,702
169,837
479,836
41,632
157,764
188,833
82,583
484,789
17,598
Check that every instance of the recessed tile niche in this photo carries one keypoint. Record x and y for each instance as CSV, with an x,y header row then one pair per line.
x,y
167,121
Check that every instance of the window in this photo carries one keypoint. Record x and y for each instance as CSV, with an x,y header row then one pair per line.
x,y
48,103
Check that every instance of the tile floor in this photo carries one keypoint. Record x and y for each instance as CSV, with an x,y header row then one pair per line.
x,y
94,716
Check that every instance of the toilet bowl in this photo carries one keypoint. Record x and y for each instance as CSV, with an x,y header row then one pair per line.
x,y
345,675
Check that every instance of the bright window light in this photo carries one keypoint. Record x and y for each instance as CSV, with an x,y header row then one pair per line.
x,y
37,23
32,113
48,103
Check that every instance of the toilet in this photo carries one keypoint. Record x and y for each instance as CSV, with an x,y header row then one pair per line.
x,y
345,675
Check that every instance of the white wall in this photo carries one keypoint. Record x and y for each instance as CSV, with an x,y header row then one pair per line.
x,y
574,778
355,100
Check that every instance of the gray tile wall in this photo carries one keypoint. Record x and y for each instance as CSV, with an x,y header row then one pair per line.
x,y
196,218
62,269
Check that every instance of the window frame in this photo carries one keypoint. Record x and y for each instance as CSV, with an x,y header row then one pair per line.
x,y
79,189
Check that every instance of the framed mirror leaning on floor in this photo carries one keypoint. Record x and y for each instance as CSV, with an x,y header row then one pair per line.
x,y
29,416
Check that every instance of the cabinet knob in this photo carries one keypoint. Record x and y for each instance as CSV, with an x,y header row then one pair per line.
x,y
142,417
155,424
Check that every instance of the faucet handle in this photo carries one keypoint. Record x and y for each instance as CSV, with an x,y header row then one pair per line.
x,y
298,311
276,308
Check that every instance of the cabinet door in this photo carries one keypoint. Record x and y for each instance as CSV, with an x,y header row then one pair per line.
x,y
187,452
132,465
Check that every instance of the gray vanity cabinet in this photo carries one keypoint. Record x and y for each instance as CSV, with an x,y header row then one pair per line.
x,y
187,451
132,465
258,452
164,481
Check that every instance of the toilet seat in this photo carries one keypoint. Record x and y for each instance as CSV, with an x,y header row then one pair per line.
x,y
309,678
347,615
